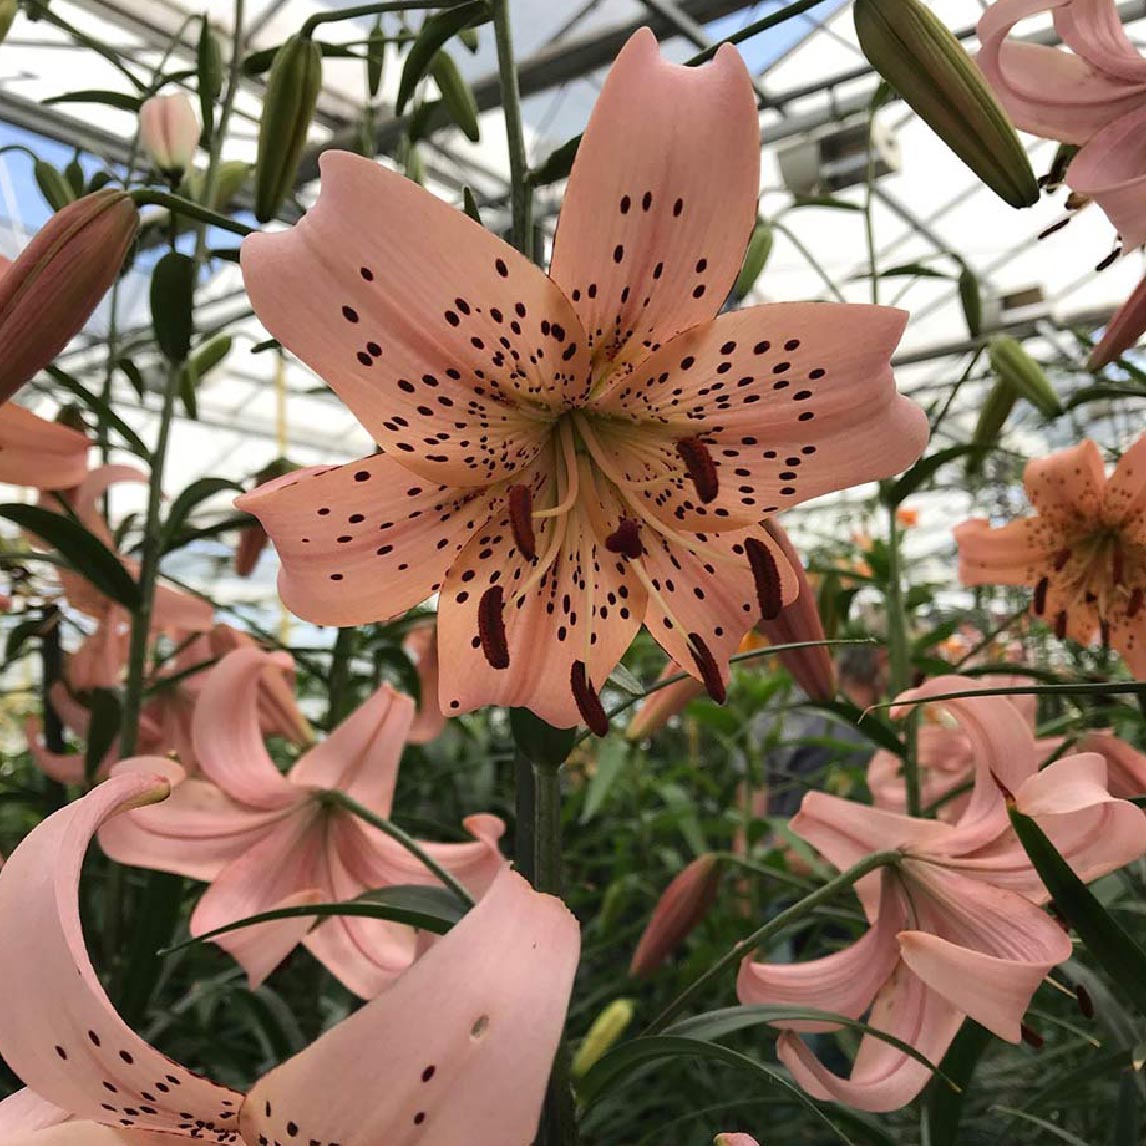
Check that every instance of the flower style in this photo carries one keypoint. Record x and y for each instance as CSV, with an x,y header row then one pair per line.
x,y
1084,553
955,927
1093,96
40,454
457,1051
264,840
566,457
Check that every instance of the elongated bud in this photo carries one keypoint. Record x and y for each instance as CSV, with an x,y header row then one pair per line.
x,y
8,10
755,258
457,95
656,710
169,131
607,1028
915,52
811,668
993,414
971,300
375,58
209,67
684,903
53,185
50,291
1011,363
291,97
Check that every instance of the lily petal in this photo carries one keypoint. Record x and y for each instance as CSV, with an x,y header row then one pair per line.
x,y
648,244
1067,487
1111,170
1012,554
25,1111
397,301
1093,29
656,710
58,1031
429,720
365,541
459,1048
1122,331
38,453
1126,766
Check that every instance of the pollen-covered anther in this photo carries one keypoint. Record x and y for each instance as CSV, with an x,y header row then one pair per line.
x,y
1117,564
1031,1037
521,520
709,670
769,591
1060,624
491,627
1061,558
588,702
1039,602
625,539
1134,605
700,466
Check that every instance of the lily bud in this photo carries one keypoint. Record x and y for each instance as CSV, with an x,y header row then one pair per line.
x,y
607,1028
1012,364
291,97
917,54
971,300
50,291
734,1140
657,709
811,668
755,258
169,131
684,903
8,10
993,414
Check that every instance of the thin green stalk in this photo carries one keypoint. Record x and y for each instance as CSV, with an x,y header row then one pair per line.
x,y
360,10
899,654
150,196
521,193
868,220
339,697
754,29
334,796
770,929
43,12
810,259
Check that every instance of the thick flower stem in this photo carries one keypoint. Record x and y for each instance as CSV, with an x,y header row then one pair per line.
x,y
150,197
547,835
899,654
342,800
770,929
521,193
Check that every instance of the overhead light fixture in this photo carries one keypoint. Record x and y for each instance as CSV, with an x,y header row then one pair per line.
x,y
839,157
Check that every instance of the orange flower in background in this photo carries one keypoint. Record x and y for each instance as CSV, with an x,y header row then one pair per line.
x,y
1083,553
908,518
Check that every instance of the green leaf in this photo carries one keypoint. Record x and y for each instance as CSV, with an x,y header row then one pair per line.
x,y
623,678
102,410
1057,1131
132,373
469,204
434,33
607,1071
103,728
18,636
877,730
923,470
943,1104
904,270
375,58
53,186
612,755
119,100
82,549
185,503
1116,952
428,908
1124,1124
172,304
557,164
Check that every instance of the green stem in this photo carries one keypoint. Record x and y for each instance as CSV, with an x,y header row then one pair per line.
x,y
754,29
360,10
149,196
521,194
43,12
899,653
770,929
868,220
339,697
547,828
342,800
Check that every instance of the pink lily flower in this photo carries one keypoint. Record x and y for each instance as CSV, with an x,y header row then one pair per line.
x,y
1094,96
1084,553
264,840
40,454
457,1051
955,927
169,131
429,721
735,1140
565,457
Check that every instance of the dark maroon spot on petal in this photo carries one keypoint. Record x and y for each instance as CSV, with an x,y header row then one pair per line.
x,y
366,273
62,1053
521,520
126,1057
709,671
769,590
700,466
588,702
452,318
626,203
428,1073
502,269
677,208
1039,603
419,1118
701,266
94,1038
658,270
292,1129
618,253
365,358
698,291
625,539
373,349
350,314
362,475
491,627
646,200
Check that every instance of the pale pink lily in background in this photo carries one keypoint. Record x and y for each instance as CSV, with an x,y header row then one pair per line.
x,y
1094,96
457,1051
422,645
169,131
735,1140
264,840
565,457
955,927
40,454
1083,553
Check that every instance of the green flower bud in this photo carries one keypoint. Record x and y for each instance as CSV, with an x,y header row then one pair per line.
x,y
755,258
8,10
53,186
916,53
292,95
456,95
993,415
1012,364
971,300
375,58
607,1028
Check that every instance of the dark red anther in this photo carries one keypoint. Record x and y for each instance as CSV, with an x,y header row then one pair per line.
x,y
1117,564
1110,259
769,590
1134,605
1061,558
1060,623
701,468
491,627
1031,1037
521,520
588,702
709,671
625,539
1104,633
1039,603
1085,1002
1048,231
